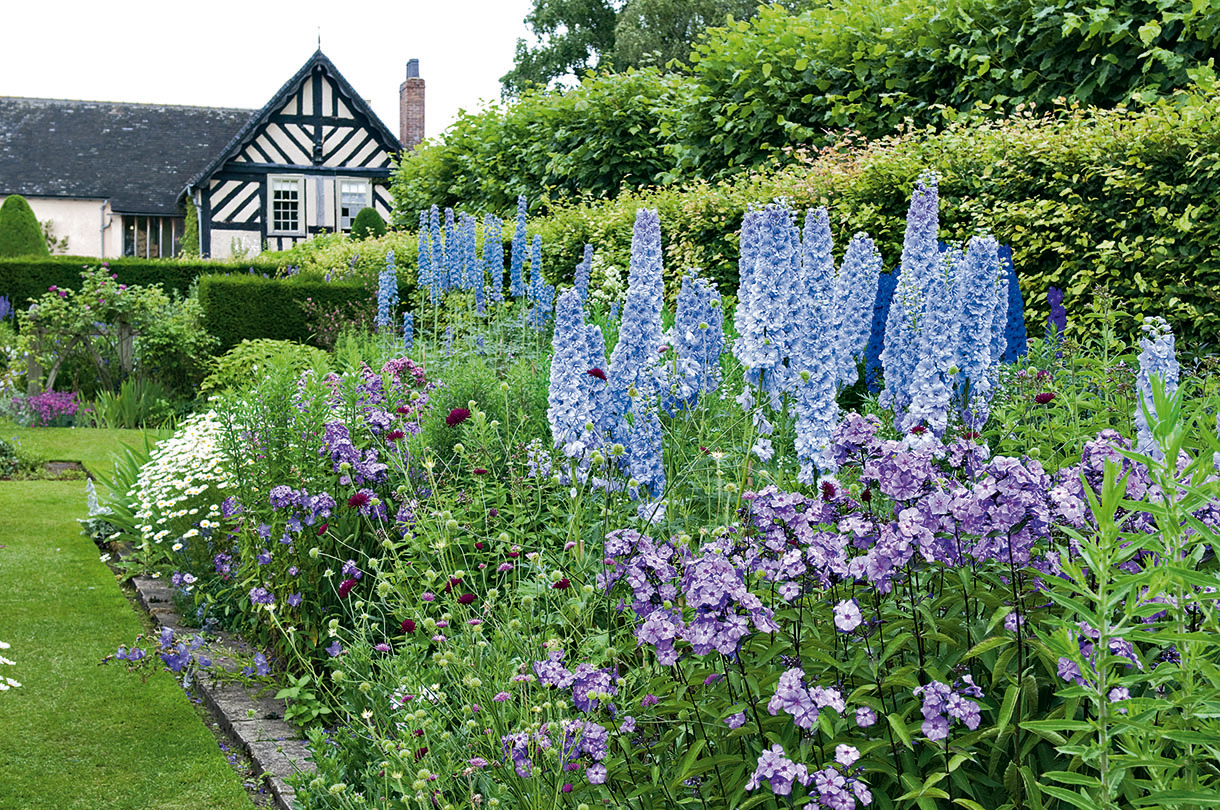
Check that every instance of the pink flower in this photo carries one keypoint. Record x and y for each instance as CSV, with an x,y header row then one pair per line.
x,y
457,416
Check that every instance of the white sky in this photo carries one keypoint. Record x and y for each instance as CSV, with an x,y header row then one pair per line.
x,y
234,53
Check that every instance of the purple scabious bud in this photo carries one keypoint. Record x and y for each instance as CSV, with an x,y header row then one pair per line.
x,y
855,295
516,286
812,352
920,258
635,363
570,397
697,338
583,271
387,293
493,257
1157,359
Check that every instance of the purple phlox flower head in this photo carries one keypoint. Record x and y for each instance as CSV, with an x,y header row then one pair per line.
x,y
587,681
552,673
350,571
778,771
792,697
846,755
648,700
261,596
865,716
847,615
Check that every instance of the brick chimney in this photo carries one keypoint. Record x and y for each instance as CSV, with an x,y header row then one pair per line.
x,y
411,108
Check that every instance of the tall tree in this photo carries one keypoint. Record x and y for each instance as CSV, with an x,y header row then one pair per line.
x,y
657,31
573,36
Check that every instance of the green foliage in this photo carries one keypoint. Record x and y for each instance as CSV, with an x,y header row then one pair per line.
x,y
368,223
250,307
20,233
655,32
188,247
574,35
587,141
242,366
137,404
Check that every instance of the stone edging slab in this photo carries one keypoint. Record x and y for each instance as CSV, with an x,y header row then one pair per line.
x,y
256,722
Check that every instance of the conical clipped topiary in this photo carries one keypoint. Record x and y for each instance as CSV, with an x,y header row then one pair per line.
x,y
20,233
367,223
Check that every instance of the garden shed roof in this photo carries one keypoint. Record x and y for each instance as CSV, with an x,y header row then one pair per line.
x,y
139,156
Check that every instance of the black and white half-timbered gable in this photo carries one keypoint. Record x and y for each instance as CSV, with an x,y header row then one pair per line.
x,y
306,163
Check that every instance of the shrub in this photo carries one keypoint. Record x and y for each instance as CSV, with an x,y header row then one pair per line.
x,y
368,223
245,364
20,233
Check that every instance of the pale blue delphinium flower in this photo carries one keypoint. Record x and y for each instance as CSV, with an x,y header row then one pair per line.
x,y
920,258
697,338
635,361
493,257
570,405
423,273
541,294
471,269
855,296
936,348
979,296
1157,359
812,362
516,284
644,449
583,270
436,257
408,332
387,293
748,325
453,252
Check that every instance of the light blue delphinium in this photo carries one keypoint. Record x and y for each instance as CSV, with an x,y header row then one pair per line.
x,y
999,323
979,294
387,293
583,271
933,379
811,360
453,254
408,332
920,258
855,296
570,406
697,338
470,265
516,285
493,257
436,256
645,460
634,363
541,293
765,320
423,273
1157,359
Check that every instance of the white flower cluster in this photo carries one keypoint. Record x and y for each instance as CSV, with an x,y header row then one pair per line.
x,y
181,487
6,683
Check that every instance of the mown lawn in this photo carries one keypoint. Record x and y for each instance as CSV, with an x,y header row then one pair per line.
x,y
77,735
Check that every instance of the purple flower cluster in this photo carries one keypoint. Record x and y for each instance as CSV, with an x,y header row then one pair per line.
x,y
47,407
1086,637
792,697
943,704
352,465
580,739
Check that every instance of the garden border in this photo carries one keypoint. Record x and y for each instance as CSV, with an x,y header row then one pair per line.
x,y
257,723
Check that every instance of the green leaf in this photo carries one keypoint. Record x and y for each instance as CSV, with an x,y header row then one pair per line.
x,y
1165,797
1149,31
900,728
1072,778
988,644
1072,798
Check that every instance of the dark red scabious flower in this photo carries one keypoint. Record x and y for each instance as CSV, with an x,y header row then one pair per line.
x,y
345,587
466,599
514,554
457,416
598,373
970,434
358,500
322,529
828,491
408,626
1044,398
919,430
402,409
394,435
479,546
420,753
493,512
561,585
451,583
866,495
480,471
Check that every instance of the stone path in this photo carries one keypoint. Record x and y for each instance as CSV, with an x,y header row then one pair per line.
x,y
256,722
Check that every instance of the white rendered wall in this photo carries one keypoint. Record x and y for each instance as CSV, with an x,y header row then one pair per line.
x,y
81,221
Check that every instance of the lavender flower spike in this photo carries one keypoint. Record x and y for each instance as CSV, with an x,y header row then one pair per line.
x,y
1157,359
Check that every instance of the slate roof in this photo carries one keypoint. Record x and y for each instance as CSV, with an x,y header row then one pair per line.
x,y
139,156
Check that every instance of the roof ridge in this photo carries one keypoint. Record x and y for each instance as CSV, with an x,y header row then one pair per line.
x,y
129,104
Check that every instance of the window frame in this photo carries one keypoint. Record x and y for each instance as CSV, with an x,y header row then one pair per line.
x,y
299,180
368,200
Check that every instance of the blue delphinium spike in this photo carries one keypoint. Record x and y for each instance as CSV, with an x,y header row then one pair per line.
x,y
452,253
932,380
423,273
1015,337
436,256
811,360
387,293
582,273
570,405
493,258
855,296
697,338
516,285
979,297
408,332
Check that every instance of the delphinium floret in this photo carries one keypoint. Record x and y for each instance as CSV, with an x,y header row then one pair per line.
x,y
855,296
517,252
1157,359
493,257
